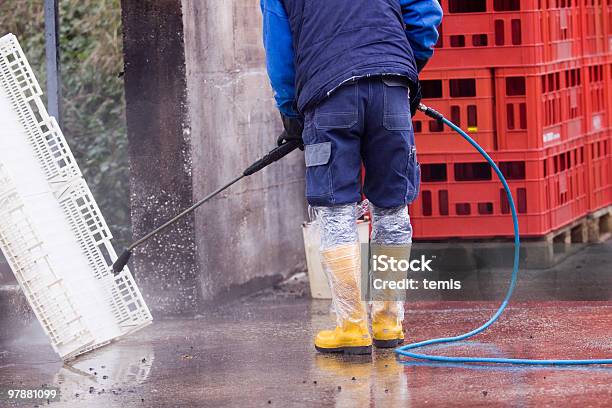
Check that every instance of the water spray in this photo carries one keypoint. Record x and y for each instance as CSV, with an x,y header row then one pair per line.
x,y
273,156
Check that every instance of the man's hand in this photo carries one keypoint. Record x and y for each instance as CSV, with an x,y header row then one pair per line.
x,y
294,127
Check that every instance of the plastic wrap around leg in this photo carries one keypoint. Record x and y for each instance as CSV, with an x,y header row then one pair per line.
x,y
391,238
343,268
391,226
341,256
337,224
351,335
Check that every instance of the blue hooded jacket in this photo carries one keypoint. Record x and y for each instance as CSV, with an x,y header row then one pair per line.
x,y
421,19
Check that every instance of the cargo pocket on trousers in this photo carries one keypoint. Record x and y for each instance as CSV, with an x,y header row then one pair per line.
x,y
413,173
318,170
396,112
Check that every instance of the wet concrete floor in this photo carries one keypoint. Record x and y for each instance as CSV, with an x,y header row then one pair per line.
x,y
258,352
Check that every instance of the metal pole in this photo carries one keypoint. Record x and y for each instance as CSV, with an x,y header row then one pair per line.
x,y
54,88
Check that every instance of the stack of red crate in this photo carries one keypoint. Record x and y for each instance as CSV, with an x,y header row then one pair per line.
x,y
531,81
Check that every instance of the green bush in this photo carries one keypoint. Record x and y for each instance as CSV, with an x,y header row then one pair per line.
x,y
93,104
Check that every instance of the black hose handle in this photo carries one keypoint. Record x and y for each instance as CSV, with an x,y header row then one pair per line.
x,y
274,155
432,113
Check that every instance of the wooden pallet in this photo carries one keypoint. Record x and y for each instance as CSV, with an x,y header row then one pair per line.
x,y
536,252
554,247
600,224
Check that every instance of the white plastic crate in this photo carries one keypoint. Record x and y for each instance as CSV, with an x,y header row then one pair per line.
x,y
51,229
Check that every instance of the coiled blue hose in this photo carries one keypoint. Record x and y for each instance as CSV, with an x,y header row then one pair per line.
x,y
403,351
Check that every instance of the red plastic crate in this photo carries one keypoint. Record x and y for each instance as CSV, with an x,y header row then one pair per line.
x,y
543,98
597,75
596,27
475,33
539,106
466,97
461,196
516,108
598,151
609,90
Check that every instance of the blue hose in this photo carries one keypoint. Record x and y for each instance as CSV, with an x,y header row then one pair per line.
x,y
403,351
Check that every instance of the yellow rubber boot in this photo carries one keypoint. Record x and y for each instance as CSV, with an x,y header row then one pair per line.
x,y
388,305
351,335
387,327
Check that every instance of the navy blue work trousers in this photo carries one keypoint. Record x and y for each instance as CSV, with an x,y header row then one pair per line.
x,y
366,120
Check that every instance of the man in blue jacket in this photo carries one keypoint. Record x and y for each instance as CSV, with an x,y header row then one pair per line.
x,y
345,79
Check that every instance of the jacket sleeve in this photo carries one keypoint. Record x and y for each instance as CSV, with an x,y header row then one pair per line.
x,y
422,18
278,44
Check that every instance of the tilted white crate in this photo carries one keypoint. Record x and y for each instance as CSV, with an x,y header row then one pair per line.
x,y
51,229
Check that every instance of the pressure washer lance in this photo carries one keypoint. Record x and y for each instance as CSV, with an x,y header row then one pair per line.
x,y
273,156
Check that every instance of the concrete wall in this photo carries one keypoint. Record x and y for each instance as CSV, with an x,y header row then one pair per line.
x,y
199,110
160,152
251,236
